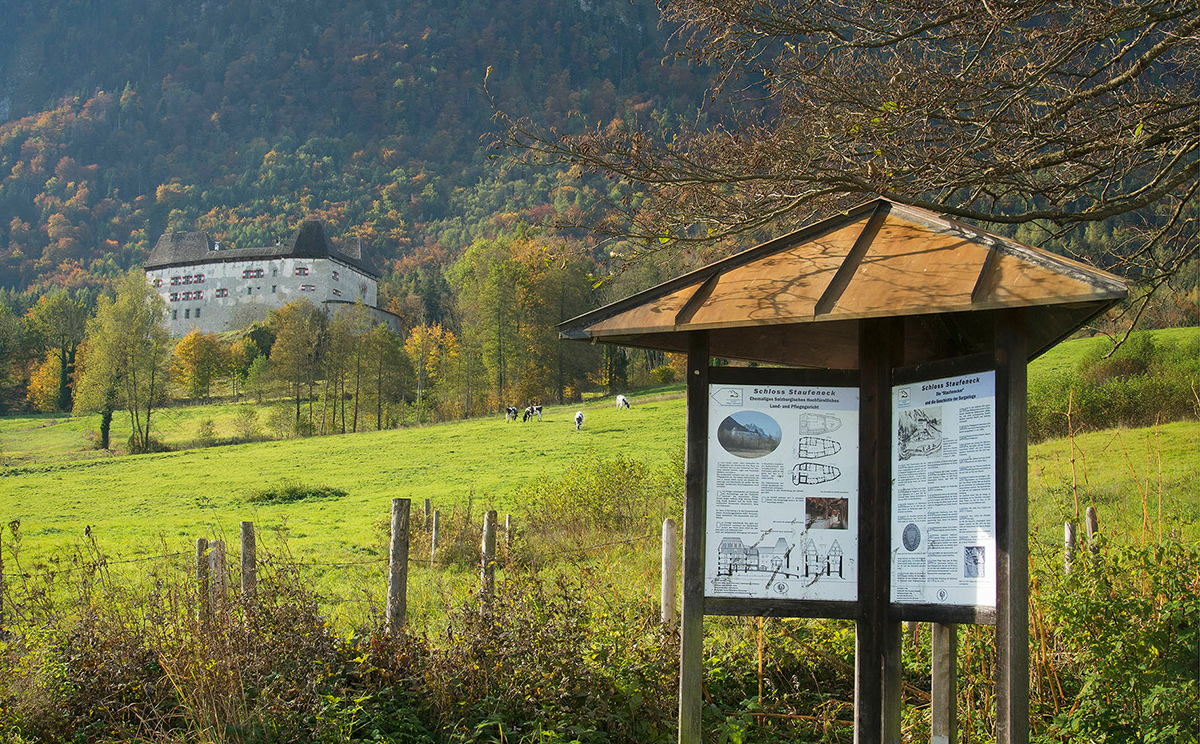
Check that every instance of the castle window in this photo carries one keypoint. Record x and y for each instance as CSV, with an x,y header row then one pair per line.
x,y
335,276
337,293
301,271
174,281
222,292
308,288
274,288
187,313
174,315
174,297
197,312
158,281
252,274
199,278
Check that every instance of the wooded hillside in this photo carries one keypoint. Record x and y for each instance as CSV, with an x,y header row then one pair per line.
x,y
121,120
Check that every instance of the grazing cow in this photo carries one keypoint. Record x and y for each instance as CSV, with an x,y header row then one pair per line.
x,y
537,410
578,420
622,402
528,413
510,413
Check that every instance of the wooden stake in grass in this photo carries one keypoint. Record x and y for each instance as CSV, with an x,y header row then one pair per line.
x,y
249,561
1092,520
397,598
433,538
1,583
219,586
204,611
670,569
487,559
428,515
1068,545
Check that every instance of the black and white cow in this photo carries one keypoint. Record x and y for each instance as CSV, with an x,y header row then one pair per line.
x,y
510,413
578,420
622,402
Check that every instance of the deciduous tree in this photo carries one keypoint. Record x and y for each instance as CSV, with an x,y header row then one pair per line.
x,y
1003,112
127,359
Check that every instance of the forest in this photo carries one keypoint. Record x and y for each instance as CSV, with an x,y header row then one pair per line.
x,y
122,120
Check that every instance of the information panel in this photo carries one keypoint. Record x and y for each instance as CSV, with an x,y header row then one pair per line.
x,y
782,500
944,491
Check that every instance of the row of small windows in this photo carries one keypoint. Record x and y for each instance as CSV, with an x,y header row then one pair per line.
x,y
187,314
246,274
185,296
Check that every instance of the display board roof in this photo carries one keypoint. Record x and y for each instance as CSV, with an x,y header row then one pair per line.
x,y
797,300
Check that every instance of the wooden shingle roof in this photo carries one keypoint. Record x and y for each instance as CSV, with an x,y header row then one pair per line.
x,y
796,300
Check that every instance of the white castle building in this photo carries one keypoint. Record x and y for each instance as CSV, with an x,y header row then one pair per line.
x,y
213,288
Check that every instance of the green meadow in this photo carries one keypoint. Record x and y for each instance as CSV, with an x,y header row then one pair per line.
x,y
133,504
56,483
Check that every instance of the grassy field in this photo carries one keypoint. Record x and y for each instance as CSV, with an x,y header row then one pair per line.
x,y
55,482
133,503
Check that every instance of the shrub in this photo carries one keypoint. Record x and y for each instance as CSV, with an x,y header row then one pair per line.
x,y
245,423
1141,383
1128,626
287,492
206,434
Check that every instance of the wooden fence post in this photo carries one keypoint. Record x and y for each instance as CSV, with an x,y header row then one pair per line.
x,y
433,538
1068,545
397,598
487,559
1093,528
670,559
944,715
205,609
428,515
219,577
249,561
2,586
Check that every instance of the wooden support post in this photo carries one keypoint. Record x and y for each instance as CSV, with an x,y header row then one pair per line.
x,y
1092,521
691,652
669,570
487,558
1012,531
1068,545
218,578
944,723
397,596
428,515
249,561
876,645
433,537
893,679
204,611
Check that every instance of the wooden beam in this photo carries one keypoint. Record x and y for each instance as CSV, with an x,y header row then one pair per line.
x,y
943,727
841,279
1012,531
881,345
691,661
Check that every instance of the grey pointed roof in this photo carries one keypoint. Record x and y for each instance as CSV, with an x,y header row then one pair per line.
x,y
309,241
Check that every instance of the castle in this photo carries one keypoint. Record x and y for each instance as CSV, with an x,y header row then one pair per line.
x,y
213,288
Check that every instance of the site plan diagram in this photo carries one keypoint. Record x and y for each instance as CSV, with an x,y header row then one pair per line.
x,y
782,499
